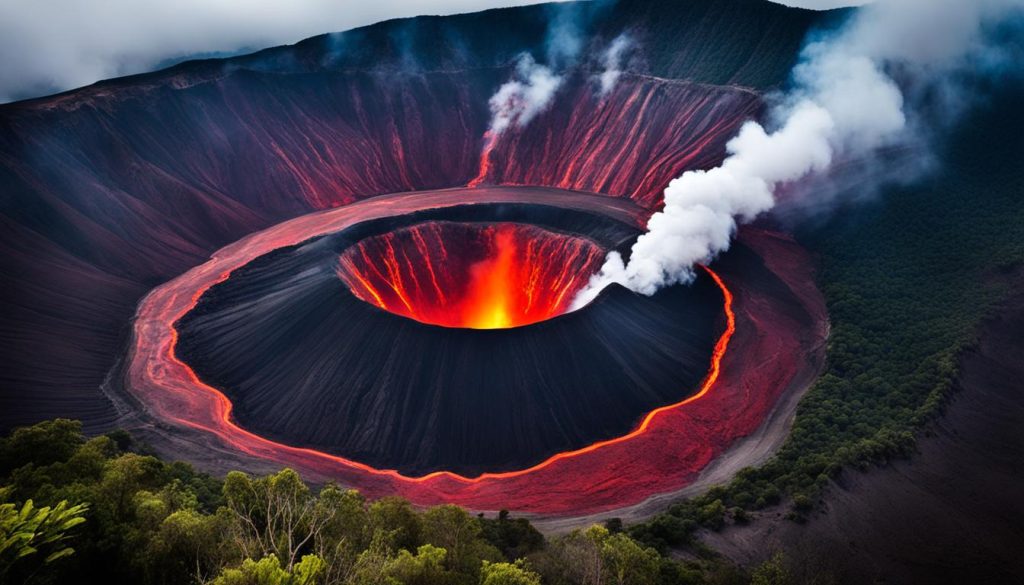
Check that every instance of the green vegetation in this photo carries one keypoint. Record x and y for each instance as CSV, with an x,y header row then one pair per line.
x,y
116,515
515,573
24,532
908,278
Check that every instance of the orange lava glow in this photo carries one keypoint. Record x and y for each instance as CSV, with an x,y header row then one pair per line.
x,y
472,276
490,139
494,301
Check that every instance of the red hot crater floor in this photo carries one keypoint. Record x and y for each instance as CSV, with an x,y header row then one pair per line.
x,y
479,277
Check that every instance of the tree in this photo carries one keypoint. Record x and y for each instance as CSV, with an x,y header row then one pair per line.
x,y
451,528
397,521
772,572
31,531
426,567
122,479
627,562
369,566
345,532
596,557
514,537
268,571
346,518
378,565
582,555
275,515
614,525
157,523
186,545
517,573
41,444
712,515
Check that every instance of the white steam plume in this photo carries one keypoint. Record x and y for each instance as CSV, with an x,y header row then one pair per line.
x,y
527,94
516,102
564,39
611,60
842,104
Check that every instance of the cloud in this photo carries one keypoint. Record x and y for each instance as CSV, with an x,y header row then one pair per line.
x,y
54,45
611,61
564,36
822,4
527,94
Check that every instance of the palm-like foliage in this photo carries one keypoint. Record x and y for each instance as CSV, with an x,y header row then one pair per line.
x,y
29,530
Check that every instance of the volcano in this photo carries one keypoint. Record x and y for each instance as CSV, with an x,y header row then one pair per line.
x,y
274,260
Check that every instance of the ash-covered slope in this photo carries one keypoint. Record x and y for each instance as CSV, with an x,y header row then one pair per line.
x,y
111,189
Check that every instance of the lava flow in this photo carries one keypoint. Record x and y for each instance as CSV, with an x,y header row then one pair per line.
x,y
470,275
490,139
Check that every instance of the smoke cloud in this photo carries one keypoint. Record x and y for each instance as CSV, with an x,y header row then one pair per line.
x,y
843,103
516,102
527,94
612,60
564,38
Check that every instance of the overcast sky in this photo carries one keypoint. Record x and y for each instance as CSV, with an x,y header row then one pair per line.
x,y
821,4
50,45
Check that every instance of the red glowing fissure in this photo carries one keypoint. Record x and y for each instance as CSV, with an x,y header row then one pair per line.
x,y
490,140
464,275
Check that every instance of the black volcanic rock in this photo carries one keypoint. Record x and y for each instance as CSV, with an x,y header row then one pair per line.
x,y
307,363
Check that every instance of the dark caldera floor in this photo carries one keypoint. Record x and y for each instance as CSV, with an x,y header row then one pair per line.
x,y
307,363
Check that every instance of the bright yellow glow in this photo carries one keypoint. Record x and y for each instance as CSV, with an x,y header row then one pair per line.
x,y
489,305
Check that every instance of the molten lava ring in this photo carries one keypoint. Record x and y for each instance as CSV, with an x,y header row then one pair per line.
x,y
419,344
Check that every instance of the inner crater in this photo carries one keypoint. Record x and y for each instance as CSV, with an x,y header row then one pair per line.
x,y
470,275
297,341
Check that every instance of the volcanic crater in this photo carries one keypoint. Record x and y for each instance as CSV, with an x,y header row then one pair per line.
x,y
185,248
477,276
440,340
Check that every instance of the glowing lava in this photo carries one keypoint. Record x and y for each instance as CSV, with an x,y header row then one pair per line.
x,y
470,275
490,139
